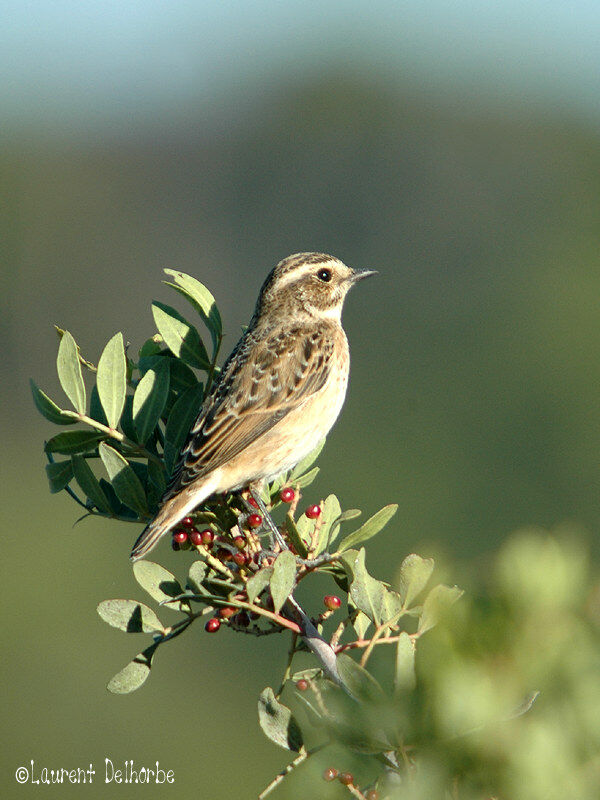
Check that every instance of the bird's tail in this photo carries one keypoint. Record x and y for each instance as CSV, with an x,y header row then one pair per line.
x,y
174,509
148,538
168,516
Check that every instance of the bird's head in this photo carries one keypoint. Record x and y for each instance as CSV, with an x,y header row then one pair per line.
x,y
307,284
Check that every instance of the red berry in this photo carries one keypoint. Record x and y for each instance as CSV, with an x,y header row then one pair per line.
x,y
239,542
208,537
180,537
240,559
252,502
195,537
372,794
255,520
188,522
223,554
312,512
330,774
227,611
332,602
302,685
175,546
212,625
287,495
347,778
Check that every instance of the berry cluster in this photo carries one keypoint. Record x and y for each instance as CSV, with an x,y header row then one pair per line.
x,y
188,534
241,550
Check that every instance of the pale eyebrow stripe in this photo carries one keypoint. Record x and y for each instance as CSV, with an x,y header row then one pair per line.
x,y
300,271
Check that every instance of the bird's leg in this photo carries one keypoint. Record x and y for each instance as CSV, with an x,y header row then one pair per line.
x,y
273,529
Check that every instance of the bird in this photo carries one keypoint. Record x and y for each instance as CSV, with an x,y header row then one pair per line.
x,y
277,395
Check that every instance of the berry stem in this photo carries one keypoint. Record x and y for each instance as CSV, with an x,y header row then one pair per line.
x,y
288,667
267,518
214,562
380,630
300,758
358,643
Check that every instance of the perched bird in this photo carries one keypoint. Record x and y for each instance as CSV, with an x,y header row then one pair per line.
x,y
277,396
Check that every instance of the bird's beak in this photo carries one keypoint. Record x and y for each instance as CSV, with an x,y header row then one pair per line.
x,y
359,274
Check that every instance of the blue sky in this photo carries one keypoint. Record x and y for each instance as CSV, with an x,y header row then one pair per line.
x,y
68,60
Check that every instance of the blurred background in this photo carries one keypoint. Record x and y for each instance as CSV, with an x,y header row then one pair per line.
x,y
452,146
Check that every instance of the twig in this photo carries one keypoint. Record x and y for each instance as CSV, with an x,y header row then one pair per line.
x,y
300,758
114,434
288,666
366,642
380,630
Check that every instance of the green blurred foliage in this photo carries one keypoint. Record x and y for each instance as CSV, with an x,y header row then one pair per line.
x,y
474,727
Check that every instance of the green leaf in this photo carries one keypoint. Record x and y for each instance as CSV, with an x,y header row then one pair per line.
x,y
369,529
130,616
156,477
294,535
155,485
361,684
371,596
436,604
196,577
89,484
83,361
127,425
351,513
149,400
306,462
134,674
181,376
305,480
283,578
181,418
309,674
160,584
278,722
123,479
111,379
59,474
259,581
151,347
360,623
73,442
69,372
414,575
404,675
330,511
117,507
48,408
96,411
305,528
393,607
201,299
182,339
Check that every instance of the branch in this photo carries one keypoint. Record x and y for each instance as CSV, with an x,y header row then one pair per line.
x,y
321,649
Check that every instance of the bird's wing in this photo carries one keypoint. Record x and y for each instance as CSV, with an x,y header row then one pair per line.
x,y
263,380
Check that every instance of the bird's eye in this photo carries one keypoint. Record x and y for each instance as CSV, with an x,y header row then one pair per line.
x,y
324,275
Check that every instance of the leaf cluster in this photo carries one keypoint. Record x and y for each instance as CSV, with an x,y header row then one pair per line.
x,y
132,413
